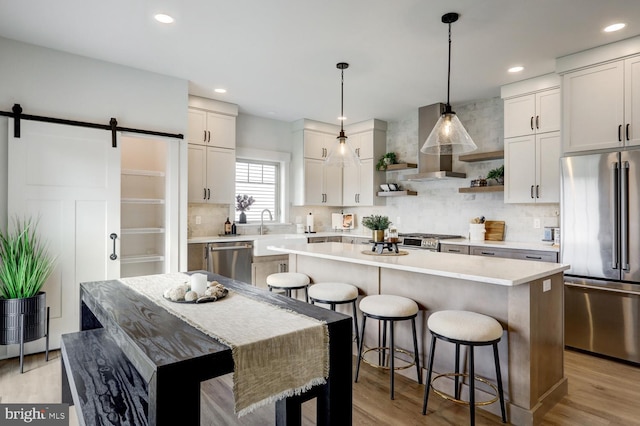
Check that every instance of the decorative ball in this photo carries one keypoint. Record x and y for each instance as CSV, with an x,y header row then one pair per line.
x,y
191,296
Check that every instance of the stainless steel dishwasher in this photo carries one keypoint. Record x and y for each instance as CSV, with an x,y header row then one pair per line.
x,y
230,259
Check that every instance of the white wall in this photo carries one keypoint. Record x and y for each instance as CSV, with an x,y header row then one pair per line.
x,y
53,83
262,133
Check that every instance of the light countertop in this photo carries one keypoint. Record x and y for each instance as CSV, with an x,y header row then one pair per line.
x,y
542,246
501,271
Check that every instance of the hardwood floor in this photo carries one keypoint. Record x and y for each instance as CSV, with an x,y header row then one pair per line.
x,y
601,392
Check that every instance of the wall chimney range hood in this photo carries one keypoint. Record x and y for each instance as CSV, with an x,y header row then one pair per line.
x,y
432,167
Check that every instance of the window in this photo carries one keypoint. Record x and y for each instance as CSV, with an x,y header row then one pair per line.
x,y
259,179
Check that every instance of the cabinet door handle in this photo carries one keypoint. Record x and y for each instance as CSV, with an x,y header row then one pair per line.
x,y
531,122
531,191
208,193
113,256
204,196
209,138
204,136
537,191
488,253
358,152
620,133
537,121
627,131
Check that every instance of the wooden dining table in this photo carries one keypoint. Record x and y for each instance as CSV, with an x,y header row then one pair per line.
x,y
174,357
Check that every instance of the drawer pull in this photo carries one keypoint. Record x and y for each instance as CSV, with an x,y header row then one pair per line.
x,y
453,251
488,253
534,257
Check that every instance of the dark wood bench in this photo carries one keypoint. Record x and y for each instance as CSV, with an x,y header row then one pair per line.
x,y
99,379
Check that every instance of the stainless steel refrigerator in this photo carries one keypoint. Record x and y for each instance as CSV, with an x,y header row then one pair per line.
x,y
600,239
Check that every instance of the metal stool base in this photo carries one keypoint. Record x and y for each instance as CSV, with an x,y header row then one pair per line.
x,y
460,401
385,367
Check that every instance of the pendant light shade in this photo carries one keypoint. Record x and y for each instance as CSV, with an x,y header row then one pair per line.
x,y
449,135
342,154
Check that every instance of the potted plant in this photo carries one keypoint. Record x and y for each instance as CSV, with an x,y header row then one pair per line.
x,y
386,160
377,224
243,202
497,174
25,265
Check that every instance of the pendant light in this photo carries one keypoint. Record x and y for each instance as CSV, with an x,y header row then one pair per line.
x,y
342,155
449,135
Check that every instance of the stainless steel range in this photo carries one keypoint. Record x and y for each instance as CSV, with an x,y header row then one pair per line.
x,y
423,241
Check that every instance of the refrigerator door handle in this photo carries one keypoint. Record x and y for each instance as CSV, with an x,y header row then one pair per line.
x,y
624,216
616,218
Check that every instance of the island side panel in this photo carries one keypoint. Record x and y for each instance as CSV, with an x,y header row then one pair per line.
x,y
536,329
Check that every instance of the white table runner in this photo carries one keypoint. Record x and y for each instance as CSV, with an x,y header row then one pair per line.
x,y
277,353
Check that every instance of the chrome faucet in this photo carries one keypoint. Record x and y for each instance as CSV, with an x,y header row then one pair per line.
x,y
262,218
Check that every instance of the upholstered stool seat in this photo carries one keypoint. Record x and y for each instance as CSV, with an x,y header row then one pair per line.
x,y
288,281
334,294
469,329
389,308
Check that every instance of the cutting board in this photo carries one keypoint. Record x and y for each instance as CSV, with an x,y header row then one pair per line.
x,y
494,230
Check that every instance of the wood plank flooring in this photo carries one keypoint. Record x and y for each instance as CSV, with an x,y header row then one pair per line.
x,y
601,392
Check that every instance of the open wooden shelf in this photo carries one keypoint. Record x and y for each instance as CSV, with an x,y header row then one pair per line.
x,y
401,166
396,193
492,188
482,156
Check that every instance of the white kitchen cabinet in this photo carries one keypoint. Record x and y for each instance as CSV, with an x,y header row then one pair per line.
x,y
532,113
211,174
601,106
318,145
313,183
211,151
322,185
532,172
211,129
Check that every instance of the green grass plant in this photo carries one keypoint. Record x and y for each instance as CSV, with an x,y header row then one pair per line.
x,y
25,263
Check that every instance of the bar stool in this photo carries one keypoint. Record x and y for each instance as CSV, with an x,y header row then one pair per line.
x,y
334,294
288,281
470,329
389,308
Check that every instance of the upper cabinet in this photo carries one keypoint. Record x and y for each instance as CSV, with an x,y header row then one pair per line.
x,y
211,129
532,140
601,99
360,184
532,113
600,109
212,155
313,183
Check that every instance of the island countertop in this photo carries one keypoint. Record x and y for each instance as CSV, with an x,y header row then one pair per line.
x,y
501,271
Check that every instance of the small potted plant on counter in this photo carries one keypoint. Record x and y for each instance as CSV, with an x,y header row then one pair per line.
x,y
377,224
496,175
386,160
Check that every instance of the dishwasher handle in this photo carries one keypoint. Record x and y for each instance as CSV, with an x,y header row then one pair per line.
x,y
242,247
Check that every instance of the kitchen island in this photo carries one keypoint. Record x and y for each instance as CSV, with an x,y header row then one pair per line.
x,y
526,297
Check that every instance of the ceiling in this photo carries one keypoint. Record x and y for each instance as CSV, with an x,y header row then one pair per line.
x,y
277,58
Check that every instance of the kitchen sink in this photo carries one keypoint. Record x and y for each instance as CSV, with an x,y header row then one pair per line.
x,y
261,243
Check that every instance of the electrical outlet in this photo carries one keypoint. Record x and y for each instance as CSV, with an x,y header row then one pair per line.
x,y
546,285
536,223
198,220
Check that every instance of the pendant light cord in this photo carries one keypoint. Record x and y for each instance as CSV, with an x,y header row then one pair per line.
x,y
449,68
342,101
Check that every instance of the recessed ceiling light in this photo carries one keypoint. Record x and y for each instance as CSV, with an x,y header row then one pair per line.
x,y
163,18
515,69
614,27
220,90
